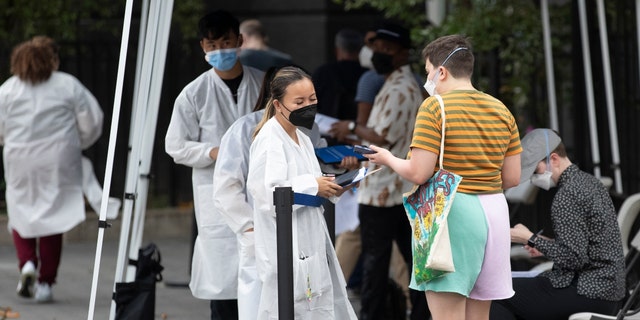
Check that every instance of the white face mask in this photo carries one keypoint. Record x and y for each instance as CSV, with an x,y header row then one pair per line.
x,y
543,180
430,85
365,57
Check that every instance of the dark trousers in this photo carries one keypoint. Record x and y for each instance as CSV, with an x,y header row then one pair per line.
x,y
48,249
224,309
379,227
536,298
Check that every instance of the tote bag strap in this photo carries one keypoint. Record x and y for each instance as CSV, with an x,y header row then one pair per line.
x,y
443,128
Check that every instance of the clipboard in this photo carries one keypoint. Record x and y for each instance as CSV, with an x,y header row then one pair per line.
x,y
334,154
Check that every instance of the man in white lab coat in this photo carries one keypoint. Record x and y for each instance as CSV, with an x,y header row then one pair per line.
x,y
203,111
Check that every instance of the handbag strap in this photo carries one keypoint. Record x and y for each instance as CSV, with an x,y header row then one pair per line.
x,y
441,156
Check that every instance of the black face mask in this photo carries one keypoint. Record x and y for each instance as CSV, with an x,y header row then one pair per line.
x,y
303,117
382,62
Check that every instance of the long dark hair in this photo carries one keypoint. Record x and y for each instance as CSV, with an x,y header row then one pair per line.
x,y
265,90
284,77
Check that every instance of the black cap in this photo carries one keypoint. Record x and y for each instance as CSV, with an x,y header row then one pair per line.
x,y
395,33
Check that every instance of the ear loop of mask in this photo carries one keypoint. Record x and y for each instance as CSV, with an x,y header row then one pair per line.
x,y
449,56
546,138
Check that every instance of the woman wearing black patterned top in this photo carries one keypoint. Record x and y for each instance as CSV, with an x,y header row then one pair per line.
x,y
588,262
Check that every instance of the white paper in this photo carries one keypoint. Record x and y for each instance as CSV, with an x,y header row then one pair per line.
x,y
525,274
363,173
324,123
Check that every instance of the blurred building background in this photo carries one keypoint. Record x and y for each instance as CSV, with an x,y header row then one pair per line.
x,y
507,39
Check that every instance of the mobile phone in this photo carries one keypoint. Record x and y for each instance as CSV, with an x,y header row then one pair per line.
x,y
362,149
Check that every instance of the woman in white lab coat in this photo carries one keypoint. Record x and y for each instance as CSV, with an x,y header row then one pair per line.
x,y
47,118
281,155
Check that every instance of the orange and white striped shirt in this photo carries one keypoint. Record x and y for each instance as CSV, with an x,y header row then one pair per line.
x,y
480,133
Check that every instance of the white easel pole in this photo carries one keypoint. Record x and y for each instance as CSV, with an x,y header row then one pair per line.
x,y
137,128
159,59
588,78
110,153
144,17
548,54
611,108
133,165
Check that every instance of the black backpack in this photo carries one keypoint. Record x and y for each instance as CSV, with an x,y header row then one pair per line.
x,y
137,300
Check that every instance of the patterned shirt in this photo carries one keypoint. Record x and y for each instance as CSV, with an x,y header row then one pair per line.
x,y
587,244
392,117
480,133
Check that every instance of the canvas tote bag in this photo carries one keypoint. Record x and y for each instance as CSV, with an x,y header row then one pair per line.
x,y
427,208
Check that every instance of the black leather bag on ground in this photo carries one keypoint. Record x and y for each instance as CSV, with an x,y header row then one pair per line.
x,y
137,300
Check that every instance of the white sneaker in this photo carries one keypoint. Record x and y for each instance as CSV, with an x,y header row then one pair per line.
x,y
43,292
27,279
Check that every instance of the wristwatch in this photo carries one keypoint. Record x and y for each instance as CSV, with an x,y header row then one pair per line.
x,y
352,126
532,241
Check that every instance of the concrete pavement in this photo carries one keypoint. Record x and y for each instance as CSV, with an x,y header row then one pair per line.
x,y
72,292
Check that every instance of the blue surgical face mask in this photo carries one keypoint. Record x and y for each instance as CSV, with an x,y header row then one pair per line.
x,y
222,59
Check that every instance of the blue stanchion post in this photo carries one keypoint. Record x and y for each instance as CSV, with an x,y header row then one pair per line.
x,y
283,200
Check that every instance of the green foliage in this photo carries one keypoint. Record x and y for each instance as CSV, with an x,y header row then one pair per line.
x,y
411,12
69,21
506,35
186,14
513,32
22,19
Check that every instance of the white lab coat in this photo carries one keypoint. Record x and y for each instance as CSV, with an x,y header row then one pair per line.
x,y
231,200
44,128
277,161
236,207
202,113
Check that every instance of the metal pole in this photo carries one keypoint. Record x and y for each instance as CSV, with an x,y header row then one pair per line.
x,y
140,110
111,151
283,200
149,129
608,85
588,79
548,54
638,31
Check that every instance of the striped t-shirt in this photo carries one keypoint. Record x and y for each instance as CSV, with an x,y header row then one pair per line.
x,y
480,133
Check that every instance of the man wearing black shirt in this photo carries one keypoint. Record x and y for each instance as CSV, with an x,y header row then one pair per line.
x,y
588,262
